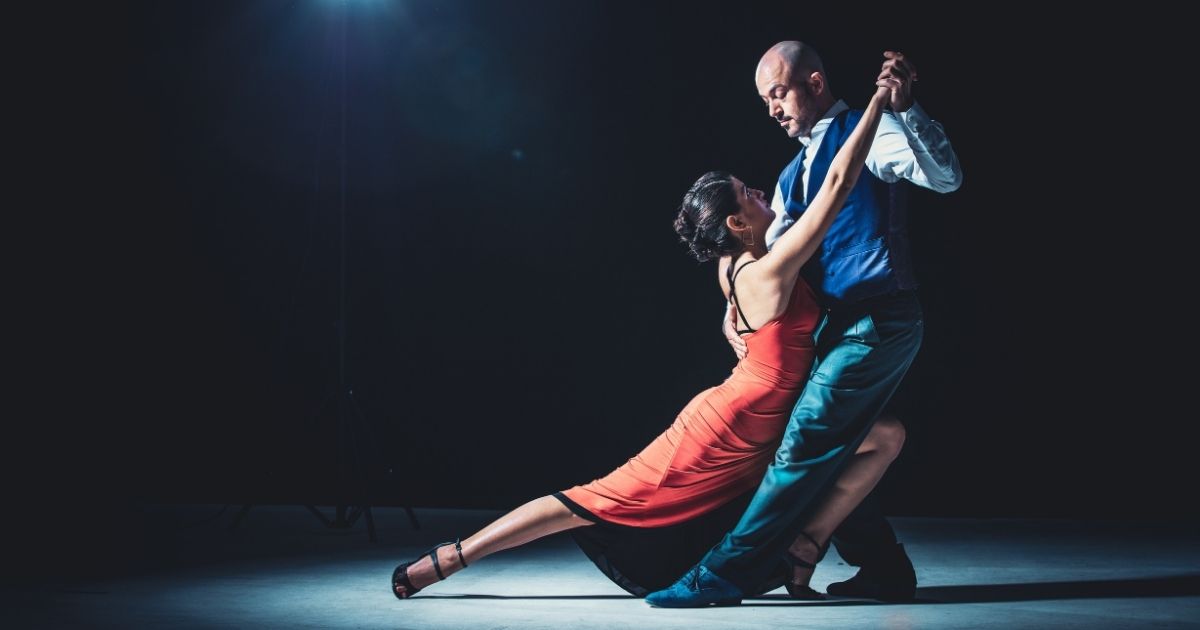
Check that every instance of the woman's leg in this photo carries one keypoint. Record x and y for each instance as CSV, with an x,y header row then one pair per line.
x,y
863,470
538,518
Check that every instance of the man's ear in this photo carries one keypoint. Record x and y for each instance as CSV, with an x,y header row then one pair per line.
x,y
816,82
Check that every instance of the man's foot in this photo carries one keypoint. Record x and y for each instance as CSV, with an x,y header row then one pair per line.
x,y
697,588
434,565
891,578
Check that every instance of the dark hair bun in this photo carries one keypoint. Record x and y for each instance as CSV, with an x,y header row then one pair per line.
x,y
701,219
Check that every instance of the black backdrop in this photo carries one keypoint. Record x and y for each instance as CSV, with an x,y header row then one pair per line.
x,y
521,317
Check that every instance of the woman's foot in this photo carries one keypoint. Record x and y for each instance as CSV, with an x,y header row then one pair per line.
x,y
806,552
411,577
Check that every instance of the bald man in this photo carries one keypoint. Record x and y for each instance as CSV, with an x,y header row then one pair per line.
x,y
870,334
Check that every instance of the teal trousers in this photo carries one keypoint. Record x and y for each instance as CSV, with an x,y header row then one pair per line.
x,y
863,351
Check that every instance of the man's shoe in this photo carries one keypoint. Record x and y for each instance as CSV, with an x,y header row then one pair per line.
x,y
697,588
891,580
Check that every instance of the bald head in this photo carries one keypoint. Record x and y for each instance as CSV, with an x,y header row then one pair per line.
x,y
794,60
791,81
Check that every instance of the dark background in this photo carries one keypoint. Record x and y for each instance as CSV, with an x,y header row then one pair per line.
x,y
521,317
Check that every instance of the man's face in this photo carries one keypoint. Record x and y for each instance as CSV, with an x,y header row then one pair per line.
x,y
789,100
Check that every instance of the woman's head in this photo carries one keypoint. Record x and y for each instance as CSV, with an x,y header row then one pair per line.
x,y
720,216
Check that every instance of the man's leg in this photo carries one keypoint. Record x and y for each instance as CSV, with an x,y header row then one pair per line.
x,y
864,532
865,539
862,471
864,352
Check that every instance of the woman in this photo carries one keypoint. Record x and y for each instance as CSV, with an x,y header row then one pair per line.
x,y
647,522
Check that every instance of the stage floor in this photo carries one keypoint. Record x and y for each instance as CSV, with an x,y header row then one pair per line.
x,y
283,569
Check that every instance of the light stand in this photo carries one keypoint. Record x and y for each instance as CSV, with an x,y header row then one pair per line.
x,y
350,468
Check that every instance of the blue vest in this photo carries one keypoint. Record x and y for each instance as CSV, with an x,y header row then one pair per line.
x,y
866,251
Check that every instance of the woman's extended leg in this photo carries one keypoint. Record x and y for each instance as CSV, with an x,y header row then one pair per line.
x,y
538,518
863,470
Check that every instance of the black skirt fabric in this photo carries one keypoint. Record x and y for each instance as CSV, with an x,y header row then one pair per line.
x,y
642,560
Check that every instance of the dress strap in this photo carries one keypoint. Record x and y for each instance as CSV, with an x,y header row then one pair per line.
x,y
732,275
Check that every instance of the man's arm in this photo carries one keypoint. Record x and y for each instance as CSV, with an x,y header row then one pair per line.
x,y
911,145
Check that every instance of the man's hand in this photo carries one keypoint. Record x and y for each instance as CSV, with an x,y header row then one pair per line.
x,y
730,330
897,67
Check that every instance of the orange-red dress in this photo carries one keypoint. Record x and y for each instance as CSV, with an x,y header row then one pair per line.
x,y
716,451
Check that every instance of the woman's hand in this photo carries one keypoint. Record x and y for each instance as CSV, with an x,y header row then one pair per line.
x,y
883,93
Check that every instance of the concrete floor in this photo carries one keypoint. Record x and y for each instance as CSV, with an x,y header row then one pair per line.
x,y
282,568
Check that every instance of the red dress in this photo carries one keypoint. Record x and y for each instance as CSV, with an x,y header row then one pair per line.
x,y
716,450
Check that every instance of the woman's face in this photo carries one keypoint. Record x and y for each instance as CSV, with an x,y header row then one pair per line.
x,y
755,209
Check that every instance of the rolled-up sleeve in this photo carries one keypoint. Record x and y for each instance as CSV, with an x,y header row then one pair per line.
x,y
913,146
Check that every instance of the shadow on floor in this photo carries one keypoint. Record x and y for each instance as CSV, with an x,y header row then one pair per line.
x,y
1175,586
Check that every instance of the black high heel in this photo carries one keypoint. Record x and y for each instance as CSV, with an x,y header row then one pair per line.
x,y
804,591
400,573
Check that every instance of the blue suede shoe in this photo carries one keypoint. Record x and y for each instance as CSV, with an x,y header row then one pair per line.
x,y
697,588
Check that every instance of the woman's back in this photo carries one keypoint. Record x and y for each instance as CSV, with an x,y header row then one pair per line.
x,y
719,445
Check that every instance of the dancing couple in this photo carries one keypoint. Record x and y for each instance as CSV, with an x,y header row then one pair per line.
x,y
756,477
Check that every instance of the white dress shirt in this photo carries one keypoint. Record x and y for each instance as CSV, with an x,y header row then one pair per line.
x,y
908,145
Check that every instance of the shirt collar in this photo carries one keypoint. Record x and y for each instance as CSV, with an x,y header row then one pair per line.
x,y
819,128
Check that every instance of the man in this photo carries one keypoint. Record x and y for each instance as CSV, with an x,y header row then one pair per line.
x,y
870,334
